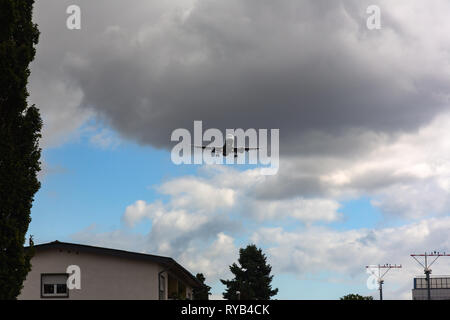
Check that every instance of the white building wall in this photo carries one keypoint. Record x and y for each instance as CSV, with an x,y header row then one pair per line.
x,y
102,276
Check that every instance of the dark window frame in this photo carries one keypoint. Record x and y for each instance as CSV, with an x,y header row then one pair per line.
x,y
55,295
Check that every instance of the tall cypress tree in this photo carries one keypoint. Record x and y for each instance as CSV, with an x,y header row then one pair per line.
x,y
252,278
20,126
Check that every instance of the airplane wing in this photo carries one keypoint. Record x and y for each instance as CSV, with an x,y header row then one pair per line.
x,y
236,150
208,148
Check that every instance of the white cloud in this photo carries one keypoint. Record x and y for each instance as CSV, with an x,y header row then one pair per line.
x,y
116,239
213,260
195,193
346,253
404,176
174,229
305,210
104,139
139,210
201,236
407,175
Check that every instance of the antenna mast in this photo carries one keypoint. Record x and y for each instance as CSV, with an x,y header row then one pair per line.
x,y
426,266
381,273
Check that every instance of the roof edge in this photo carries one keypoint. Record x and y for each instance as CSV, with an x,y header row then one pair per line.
x,y
167,262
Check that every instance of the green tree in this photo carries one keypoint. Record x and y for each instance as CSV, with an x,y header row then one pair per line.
x,y
202,292
356,297
20,126
252,278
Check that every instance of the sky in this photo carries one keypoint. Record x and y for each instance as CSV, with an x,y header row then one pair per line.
x,y
364,174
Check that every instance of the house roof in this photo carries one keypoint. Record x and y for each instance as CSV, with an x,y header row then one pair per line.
x,y
168,263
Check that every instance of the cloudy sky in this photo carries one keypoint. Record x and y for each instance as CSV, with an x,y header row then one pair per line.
x,y
363,115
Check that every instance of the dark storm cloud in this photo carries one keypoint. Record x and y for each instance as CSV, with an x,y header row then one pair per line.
x,y
310,68
337,91
300,66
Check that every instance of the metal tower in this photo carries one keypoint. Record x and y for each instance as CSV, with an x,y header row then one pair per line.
x,y
381,274
426,266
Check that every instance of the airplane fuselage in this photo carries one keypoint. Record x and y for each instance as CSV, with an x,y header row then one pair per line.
x,y
228,146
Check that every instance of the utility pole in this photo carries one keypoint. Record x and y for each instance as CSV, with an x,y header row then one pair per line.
x,y
427,266
381,273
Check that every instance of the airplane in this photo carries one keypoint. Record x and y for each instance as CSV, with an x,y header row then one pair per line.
x,y
228,147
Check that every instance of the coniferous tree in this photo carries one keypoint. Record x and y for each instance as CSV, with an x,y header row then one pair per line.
x,y
20,126
252,278
202,292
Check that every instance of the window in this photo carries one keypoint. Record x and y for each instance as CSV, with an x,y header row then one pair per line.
x,y
54,285
421,283
61,288
49,289
162,288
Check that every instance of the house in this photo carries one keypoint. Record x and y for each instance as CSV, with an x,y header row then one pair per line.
x,y
73,271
